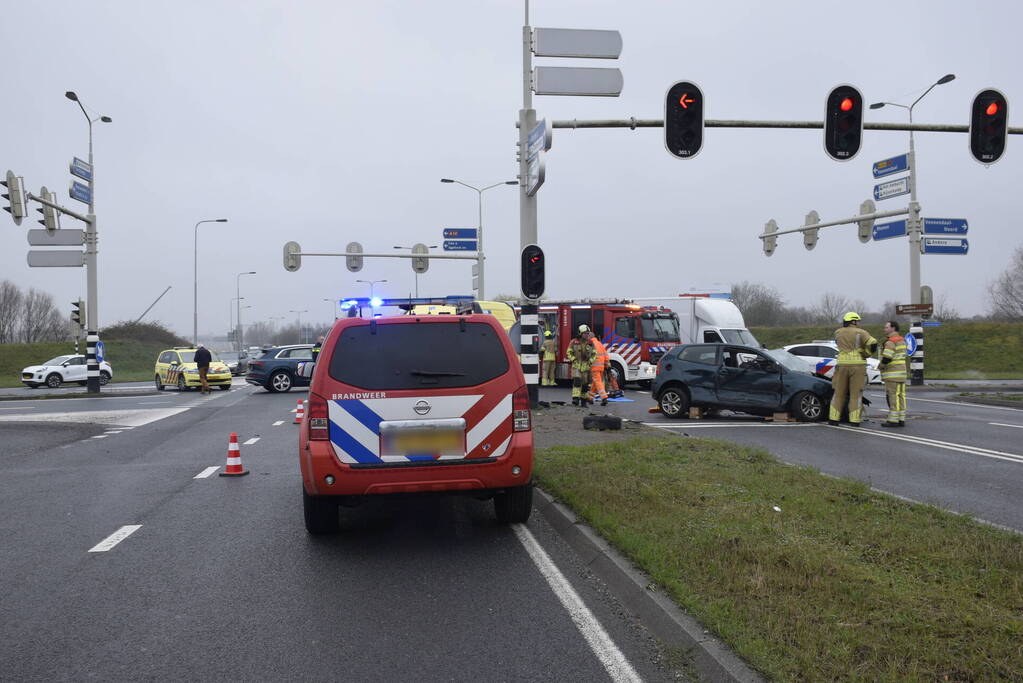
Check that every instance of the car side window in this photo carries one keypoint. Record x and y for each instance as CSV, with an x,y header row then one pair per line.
x,y
827,352
167,357
298,354
706,355
808,351
77,361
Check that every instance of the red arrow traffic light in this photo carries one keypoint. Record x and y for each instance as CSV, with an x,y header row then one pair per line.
x,y
685,100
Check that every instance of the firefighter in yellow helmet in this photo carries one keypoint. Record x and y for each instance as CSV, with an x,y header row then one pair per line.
x,y
854,347
548,355
580,355
893,374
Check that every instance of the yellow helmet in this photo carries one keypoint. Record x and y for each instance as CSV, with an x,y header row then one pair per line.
x,y
584,328
850,316
547,333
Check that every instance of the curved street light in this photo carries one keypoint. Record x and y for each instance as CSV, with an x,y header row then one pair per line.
x,y
238,292
195,277
480,258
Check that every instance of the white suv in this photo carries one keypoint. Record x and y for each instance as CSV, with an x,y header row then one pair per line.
x,y
821,355
56,371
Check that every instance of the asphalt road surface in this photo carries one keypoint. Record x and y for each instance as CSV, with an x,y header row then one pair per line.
x,y
127,558
963,457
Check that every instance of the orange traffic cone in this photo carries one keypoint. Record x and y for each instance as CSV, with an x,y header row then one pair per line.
x,y
299,412
234,459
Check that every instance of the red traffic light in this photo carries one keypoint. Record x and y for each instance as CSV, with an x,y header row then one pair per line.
x,y
534,259
685,100
846,105
992,109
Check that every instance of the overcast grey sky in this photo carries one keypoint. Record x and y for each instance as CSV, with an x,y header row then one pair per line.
x,y
330,122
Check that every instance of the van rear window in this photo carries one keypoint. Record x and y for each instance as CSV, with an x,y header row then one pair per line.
x,y
418,356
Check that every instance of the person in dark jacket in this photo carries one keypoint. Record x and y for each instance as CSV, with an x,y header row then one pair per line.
x,y
202,361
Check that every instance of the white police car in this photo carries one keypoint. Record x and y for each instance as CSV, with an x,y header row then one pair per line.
x,y
57,371
822,355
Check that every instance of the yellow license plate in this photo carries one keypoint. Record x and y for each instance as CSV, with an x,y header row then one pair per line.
x,y
443,442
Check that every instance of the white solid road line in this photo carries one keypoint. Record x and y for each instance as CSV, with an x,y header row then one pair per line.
x,y
947,445
614,661
250,441
115,538
20,408
278,423
1002,424
206,472
711,425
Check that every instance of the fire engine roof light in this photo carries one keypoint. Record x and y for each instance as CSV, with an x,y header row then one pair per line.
x,y
348,304
376,302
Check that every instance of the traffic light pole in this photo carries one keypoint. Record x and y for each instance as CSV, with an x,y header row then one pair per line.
x,y
529,318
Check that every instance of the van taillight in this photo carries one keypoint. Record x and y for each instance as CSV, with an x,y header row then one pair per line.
x,y
319,429
520,410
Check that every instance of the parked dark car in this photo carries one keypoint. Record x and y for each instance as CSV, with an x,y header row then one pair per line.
x,y
275,369
739,378
237,361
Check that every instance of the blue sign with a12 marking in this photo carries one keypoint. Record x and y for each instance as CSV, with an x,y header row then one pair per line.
x,y
460,233
884,231
946,226
889,166
459,245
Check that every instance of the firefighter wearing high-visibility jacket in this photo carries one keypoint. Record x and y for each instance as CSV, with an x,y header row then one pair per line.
x,y
548,356
580,355
893,374
854,347
597,368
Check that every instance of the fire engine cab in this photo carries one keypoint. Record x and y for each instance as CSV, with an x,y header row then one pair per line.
x,y
635,336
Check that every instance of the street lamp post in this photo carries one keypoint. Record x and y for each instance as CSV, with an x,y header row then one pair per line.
x,y
91,278
914,230
333,308
195,277
301,330
480,258
432,246
238,292
371,283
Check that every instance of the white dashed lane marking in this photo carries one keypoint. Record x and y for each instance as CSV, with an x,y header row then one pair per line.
x,y
115,538
278,423
206,472
250,441
1000,424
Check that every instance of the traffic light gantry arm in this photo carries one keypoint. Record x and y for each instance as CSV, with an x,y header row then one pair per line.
x,y
634,123
854,219
58,207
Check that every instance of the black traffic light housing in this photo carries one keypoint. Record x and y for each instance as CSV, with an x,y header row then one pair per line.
x,y
843,123
683,120
533,268
989,126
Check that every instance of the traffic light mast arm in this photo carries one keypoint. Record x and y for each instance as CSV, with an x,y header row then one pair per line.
x,y
465,257
854,219
58,207
634,123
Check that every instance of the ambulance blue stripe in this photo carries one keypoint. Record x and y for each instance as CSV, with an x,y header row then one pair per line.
x,y
351,446
362,413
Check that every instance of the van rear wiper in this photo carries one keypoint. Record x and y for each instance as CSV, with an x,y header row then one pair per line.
x,y
441,373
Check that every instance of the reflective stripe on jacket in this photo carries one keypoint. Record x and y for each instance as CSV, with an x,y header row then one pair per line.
x,y
599,354
580,355
853,345
549,349
893,359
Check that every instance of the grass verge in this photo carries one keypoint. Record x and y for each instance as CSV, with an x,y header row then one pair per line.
x,y
838,583
130,360
998,396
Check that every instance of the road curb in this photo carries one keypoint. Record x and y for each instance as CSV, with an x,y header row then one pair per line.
x,y
712,658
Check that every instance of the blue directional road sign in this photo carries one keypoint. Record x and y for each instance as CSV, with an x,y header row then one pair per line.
x,y
82,169
889,166
80,192
459,245
459,233
884,231
932,323
892,188
946,245
910,345
100,351
946,226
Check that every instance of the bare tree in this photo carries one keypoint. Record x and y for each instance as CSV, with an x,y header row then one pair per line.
x,y
760,304
36,309
1007,290
10,311
945,309
830,308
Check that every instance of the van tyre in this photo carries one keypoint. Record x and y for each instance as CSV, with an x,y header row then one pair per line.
x,y
279,381
224,387
807,406
181,383
53,380
674,402
160,386
515,504
321,514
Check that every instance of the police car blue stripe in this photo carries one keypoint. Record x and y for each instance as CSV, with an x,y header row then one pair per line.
x,y
361,412
350,445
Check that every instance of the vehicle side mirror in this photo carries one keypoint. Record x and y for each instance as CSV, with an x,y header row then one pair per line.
x,y
305,368
174,362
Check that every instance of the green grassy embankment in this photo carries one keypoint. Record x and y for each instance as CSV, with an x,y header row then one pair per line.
x,y
953,351
807,577
130,360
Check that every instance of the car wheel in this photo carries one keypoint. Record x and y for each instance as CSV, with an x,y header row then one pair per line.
x,y
807,407
53,380
515,504
160,386
279,381
225,387
104,378
321,514
181,383
674,402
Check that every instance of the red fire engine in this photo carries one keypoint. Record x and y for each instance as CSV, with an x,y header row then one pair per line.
x,y
635,336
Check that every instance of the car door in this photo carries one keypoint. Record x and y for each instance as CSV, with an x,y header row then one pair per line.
x,y
748,378
291,358
74,369
697,367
